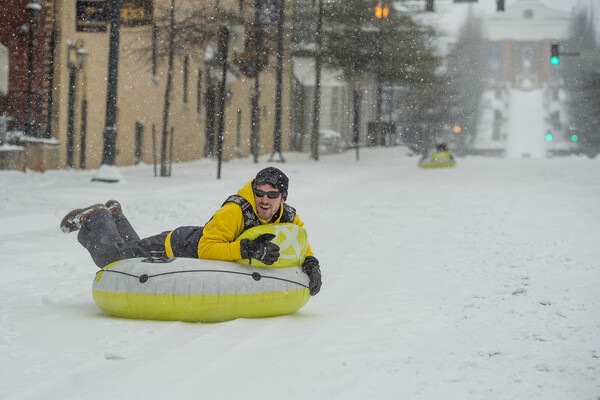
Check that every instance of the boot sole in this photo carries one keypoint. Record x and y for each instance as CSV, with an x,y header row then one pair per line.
x,y
113,206
74,219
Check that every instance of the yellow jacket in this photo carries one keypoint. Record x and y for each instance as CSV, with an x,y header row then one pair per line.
x,y
441,156
227,224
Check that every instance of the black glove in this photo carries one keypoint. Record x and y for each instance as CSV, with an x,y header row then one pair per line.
x,y
260,248
312,269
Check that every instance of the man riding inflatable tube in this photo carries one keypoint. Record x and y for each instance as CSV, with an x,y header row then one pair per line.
x,y
108,236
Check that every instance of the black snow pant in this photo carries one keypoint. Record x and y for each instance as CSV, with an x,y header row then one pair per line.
x,y
110,237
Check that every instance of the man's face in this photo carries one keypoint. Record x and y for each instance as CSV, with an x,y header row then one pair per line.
x,y
265,206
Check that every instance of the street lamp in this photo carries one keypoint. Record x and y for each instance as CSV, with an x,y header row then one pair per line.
x,y
108,171
33,13
254,118
382,12
218,69
76,56
278,84
255,91
222,56
210,66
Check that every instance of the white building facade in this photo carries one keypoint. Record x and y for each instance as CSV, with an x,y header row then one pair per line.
x,y
519,47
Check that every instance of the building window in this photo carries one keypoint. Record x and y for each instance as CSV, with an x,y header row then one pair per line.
x,y
555,120
92,15
497,125
186,61
154,50
335,102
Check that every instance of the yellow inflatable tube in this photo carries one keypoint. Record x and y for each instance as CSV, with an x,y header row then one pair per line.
x,y
186,289
442,159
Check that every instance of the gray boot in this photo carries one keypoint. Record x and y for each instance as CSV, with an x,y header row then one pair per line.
x,y
75,219
123,226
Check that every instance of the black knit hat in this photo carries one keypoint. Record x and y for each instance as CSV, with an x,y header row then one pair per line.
x,y
273,177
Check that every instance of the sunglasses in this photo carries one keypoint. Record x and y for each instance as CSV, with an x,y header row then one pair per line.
x,y
262,193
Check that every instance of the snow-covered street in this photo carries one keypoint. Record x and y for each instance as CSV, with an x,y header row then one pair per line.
x,y
477,282
527,126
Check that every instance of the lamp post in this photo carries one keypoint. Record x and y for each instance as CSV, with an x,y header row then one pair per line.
x,y
254,119
222,54
108,172
314,138
211,64
278,84
255,90
76,56
34,9
381,13
168,90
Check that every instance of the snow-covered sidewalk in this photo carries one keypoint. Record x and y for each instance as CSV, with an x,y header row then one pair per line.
x,y
478,282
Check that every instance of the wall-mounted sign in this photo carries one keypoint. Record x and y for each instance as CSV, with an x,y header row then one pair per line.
x,y
92,15
136,12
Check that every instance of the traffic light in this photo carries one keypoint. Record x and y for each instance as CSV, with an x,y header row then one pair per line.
x,y
457,129
382,10
499,5
574,138
554,60
549,137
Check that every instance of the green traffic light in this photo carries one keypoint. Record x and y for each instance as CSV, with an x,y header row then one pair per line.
x,y
554,53
549,137
574,138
